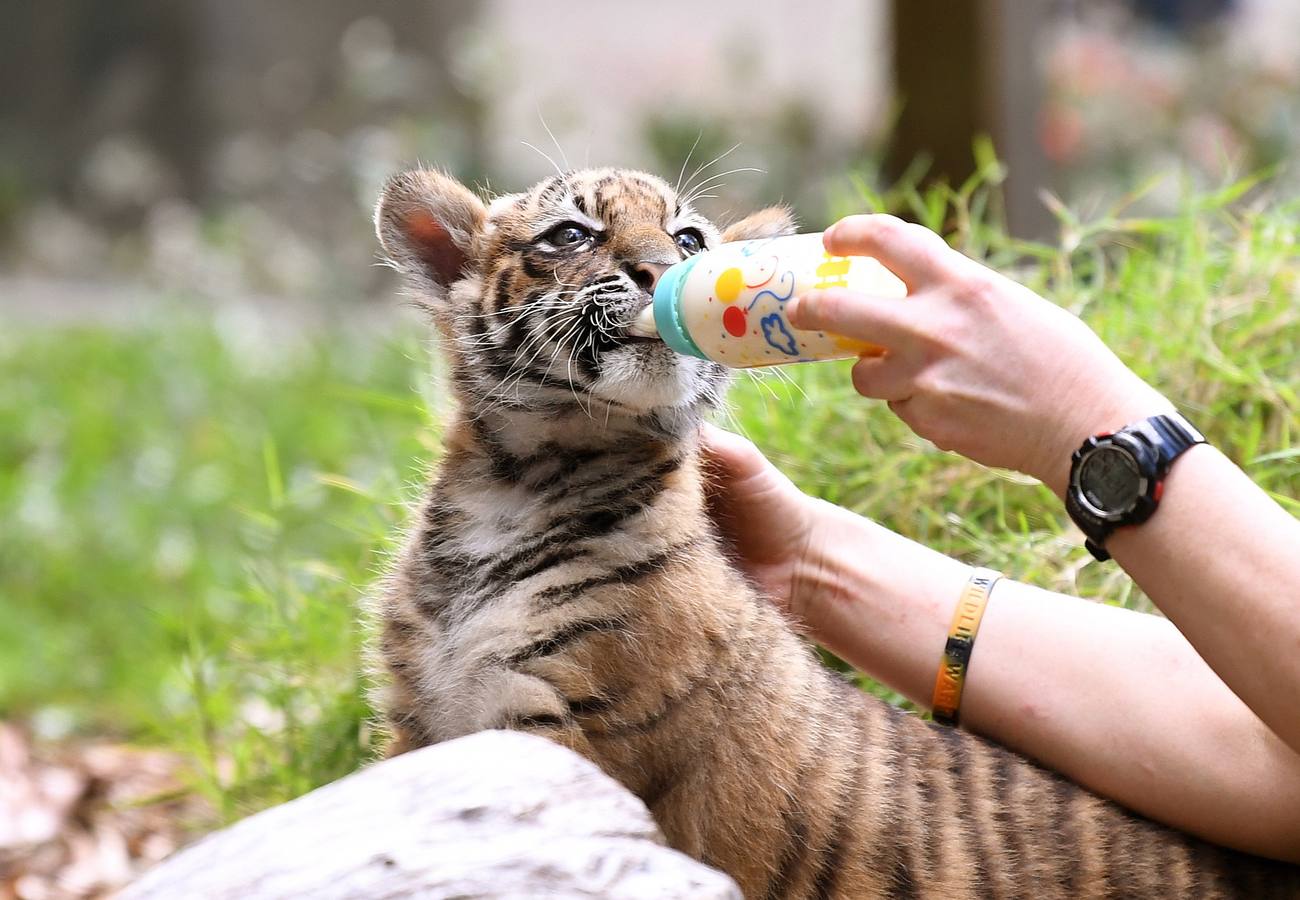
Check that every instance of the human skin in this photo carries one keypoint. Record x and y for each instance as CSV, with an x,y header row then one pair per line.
x,y
1190,720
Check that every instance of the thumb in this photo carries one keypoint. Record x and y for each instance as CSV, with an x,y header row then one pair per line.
x,y
733,457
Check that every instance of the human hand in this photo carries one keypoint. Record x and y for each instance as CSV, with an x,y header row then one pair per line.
x,y
976,363
880,601
770,524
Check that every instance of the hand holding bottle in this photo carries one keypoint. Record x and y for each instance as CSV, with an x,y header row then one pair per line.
x,y
976,363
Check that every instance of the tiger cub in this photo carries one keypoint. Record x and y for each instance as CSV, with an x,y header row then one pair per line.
x,y
562,577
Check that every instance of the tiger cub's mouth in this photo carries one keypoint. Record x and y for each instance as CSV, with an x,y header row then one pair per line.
x,y
612,332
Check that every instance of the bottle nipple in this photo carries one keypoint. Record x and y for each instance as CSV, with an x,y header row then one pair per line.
x,y
644,324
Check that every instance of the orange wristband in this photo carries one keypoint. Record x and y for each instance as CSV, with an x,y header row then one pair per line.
x,y
951,679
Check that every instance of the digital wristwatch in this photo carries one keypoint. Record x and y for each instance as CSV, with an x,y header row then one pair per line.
x,y
1116,478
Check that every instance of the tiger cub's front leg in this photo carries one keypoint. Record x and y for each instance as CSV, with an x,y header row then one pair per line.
x,y
504,665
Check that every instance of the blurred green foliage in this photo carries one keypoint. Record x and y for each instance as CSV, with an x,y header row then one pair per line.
x,y
192,510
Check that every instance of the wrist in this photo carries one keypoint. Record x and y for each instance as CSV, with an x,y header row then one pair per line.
x,y
881,602
1123,406
823,575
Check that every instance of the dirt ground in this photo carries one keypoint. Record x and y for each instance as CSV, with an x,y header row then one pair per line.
x,y
83,819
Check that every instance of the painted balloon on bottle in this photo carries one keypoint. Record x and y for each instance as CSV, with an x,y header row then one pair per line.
x,y
757,272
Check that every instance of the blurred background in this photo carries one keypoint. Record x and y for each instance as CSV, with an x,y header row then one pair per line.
x,y
214,406
235,147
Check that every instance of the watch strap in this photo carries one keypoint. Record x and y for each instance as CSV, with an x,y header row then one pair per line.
x,y
1099,551
1170,435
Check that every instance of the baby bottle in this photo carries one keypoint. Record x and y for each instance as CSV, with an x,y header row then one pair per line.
x,y
728,304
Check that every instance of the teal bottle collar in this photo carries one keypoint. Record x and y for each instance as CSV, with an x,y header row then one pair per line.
x,y
668,309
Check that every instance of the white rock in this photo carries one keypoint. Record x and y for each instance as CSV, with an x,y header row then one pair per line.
x,y
495,814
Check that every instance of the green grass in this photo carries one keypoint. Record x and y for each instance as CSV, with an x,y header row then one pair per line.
x,y
190,514
191,510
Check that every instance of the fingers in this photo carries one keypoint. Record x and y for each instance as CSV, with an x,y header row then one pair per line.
x,y
877,320
912,252
883,378
906,410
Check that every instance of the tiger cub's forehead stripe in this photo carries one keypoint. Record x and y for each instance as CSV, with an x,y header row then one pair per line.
x,y
604,194
601,199
624,195
569,207
551,188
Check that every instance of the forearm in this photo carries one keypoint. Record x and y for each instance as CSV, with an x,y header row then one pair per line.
x,y
1115,700
891,624
1120,702
1219,559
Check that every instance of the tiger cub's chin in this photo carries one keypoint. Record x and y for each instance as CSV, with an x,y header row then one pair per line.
x,y
647,376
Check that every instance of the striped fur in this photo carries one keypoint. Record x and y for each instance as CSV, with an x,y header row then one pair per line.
x,y
562,576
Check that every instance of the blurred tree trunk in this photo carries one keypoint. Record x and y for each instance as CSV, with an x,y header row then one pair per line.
x,y
76,73
968,68
178,81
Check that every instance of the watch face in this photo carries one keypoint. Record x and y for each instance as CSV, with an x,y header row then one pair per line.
x,y
1109,480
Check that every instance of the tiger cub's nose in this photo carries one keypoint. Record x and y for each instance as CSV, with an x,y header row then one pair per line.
x,y
645,274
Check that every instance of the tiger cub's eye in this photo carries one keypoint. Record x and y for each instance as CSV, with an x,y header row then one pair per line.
x,y
567,235
690,240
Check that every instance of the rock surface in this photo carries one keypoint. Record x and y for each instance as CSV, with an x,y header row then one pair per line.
x,y
494,814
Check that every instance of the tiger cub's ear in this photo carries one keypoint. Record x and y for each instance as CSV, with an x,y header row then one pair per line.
x,y
427,224
775,221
